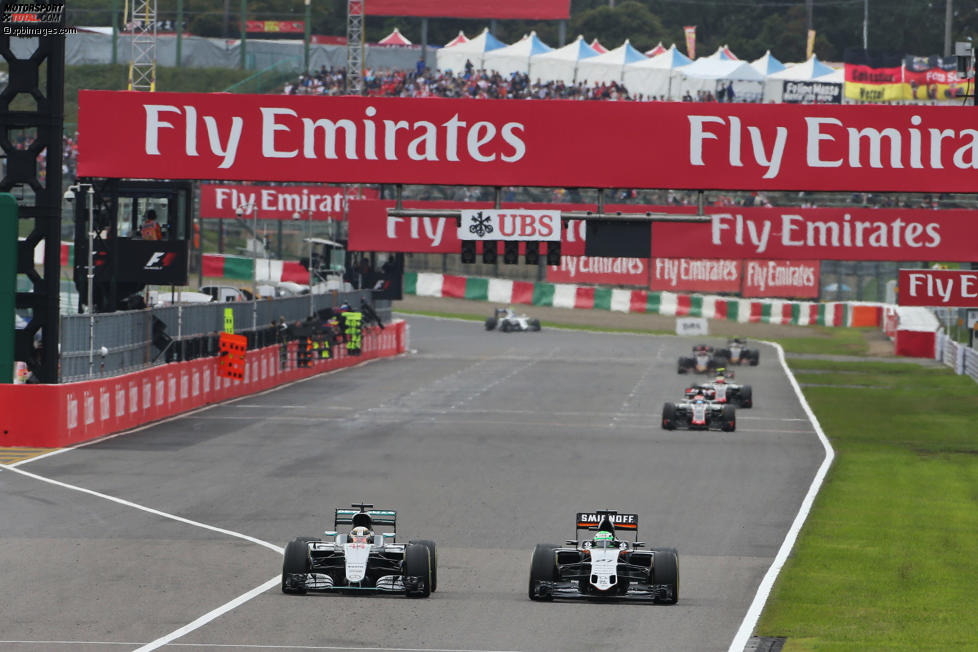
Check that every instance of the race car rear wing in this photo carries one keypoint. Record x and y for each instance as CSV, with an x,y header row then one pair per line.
x,y
365,516
607,520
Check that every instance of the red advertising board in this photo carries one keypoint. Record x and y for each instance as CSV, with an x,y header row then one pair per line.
x,y
279,202
822,234
938,287
791,279
735,146
695,274
275,26
599,271
525,9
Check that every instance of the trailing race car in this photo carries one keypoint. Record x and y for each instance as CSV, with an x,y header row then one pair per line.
x,y
736,352
698,413
508,321
702,360
721,390
604,567
361,560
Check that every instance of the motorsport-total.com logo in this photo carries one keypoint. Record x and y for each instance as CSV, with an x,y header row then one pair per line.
x,y
29,19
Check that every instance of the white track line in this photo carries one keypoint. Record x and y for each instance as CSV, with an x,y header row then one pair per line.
x,y
251,646
210,615
767,582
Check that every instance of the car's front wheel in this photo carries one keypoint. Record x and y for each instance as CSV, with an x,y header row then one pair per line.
x,y
665,573
296,562
417,563
433,557
543,568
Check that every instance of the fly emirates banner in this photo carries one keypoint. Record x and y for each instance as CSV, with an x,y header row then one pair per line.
x,y
222,136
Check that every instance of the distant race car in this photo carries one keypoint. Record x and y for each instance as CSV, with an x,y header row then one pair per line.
x,y
698,413
361,560
507,321
604,566
702,361
736,352
721,390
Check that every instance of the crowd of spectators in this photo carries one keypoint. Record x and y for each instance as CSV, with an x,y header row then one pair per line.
x,y
69,155
477,84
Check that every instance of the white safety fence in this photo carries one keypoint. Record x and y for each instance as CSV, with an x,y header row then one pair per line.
x,y
963,359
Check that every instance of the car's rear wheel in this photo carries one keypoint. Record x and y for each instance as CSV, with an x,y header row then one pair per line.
x,y
433,557
295,562
543,568
491,323
669,416
505,327
746,396
417,563
665,572
729,418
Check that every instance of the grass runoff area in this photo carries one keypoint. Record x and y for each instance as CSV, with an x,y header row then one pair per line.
x,y
886,559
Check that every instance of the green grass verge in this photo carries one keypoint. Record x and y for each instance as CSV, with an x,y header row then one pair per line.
x,y
835,341
886,558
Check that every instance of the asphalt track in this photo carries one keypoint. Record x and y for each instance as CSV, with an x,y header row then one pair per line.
x,y
487,443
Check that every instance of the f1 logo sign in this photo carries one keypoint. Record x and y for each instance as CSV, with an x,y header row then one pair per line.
x,y
156,257
159,260
515,224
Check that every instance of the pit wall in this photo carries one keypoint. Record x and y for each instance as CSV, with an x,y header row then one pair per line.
x,y
561,295
54,416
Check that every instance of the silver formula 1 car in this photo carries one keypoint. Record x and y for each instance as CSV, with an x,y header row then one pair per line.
x,y
604,566
508,321
361,560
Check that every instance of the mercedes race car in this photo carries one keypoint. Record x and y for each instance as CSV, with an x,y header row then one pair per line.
x,y
702,361
507,320
698,413
361,560
604,566
736,352
721,390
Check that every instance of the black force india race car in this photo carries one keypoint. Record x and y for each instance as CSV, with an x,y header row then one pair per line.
x,y
604,566
702,361
361,559
698,413
736,352
721,390
508,321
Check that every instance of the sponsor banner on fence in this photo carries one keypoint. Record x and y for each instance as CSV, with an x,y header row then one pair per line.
x,y
599,271
505,9
811,92
932,78
822,234
938,287
795,279
873,76
280,202
521,224
275,26
695,274
352,139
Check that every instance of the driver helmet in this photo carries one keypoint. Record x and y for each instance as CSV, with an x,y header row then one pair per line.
x,y
604,536
360,535
699,398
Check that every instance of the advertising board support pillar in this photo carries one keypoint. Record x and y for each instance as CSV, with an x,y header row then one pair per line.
x,y
424,40
8,284
308,31
244,35
115,31
497,204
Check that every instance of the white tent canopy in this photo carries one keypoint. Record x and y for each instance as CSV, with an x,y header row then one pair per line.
x,y
461,38
608,67
560,64
811,70
516,57
707,74
474,50
650,78
767,64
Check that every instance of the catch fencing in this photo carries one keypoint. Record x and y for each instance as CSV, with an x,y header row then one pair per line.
x,y
960,357
182,331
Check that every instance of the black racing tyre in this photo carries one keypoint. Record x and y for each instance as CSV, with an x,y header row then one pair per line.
x,y
535,325
669,416
505,327
755,357
665,570
417,562
684,365
543,567
296,560
491,323
729,418
746,396
433,556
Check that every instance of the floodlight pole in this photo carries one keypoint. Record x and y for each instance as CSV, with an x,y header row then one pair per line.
x,y
89,205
